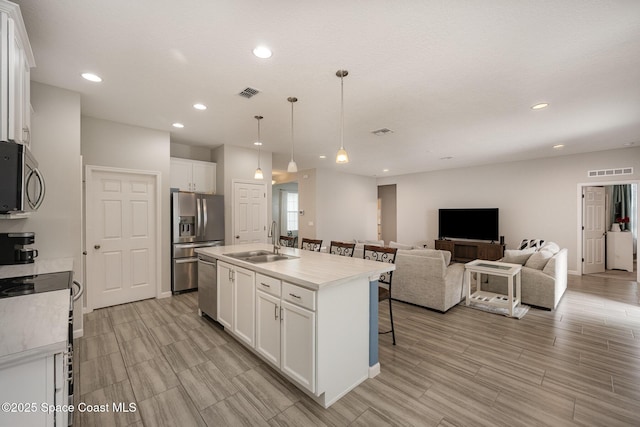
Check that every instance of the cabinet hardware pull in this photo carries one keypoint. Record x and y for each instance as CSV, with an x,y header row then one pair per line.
x,y
264,284
275,311
294,295
281,313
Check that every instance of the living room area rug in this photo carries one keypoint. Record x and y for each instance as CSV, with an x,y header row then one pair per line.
x,y
518,313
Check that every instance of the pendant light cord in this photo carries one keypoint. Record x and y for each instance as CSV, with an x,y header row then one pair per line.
x,y
292,131
342,110
259,146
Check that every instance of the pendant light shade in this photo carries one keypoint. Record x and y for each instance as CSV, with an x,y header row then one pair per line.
x,y
342,156
258,174
293,167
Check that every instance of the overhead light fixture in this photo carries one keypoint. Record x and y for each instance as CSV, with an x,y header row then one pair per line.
x,y
322,156
199,106
385,170
91,77
178,125
342,156
540,106
262,52
292,168
558,146
258,174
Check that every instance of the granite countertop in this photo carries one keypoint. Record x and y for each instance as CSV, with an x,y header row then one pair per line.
x,y
39,267
33,325
313,270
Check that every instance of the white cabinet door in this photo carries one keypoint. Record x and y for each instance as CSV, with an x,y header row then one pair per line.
x,y
204,177
225,295
4,77
244,307
181,174
299,345
268,327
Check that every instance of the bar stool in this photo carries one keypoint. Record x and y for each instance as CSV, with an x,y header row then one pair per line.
x,y
288,241
311,244
382,254
342,248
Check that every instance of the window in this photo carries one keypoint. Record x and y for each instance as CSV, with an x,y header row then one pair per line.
x,y
292,211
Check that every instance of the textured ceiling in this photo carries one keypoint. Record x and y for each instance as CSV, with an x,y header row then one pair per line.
x,y
450,78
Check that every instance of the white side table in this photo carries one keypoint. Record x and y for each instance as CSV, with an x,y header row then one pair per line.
x,y
510,271
620,250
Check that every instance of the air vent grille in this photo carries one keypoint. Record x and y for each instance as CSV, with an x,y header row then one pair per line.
x,y
380,132
610,172
249,92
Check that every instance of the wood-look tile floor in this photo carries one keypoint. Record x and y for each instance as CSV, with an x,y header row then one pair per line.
x,y
577,365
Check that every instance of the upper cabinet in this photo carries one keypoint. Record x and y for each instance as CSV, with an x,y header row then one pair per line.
x,y
193,175
16,61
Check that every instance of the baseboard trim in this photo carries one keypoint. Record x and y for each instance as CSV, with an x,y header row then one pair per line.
x,y
374,370
165,295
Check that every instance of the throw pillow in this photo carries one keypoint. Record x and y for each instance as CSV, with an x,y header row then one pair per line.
x,y
531,243
515,256
393,244
551,247
538,260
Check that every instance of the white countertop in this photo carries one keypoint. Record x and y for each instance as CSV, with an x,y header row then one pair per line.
x,y
33,324
39,267
314,270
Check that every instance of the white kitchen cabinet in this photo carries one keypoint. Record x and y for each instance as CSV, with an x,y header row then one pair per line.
x,y
620,250
35,382
193,175
236,301
16,60
268,327
298,340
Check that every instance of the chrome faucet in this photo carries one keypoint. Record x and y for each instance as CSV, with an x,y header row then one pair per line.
x,y
274,237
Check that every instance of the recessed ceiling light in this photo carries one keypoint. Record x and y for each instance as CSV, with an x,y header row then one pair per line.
x,y
199,106
540,106
91,77
385,170
323,156
178,125
262,52
629,144
558,146
258,143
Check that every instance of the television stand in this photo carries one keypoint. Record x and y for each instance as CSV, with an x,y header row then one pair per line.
x,y
465,251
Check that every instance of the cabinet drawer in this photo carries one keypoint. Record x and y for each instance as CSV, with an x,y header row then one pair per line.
x,y
299,296
268,284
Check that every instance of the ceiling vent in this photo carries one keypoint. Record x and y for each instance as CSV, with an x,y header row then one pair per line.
x,y
381,132
610,172
249,92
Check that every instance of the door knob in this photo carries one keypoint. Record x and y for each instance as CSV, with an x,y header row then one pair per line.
x,y
96,247
238,236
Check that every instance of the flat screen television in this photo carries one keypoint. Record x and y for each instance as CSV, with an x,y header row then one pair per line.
x,y
472,224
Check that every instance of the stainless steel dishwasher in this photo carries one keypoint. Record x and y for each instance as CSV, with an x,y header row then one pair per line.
x,y
207,286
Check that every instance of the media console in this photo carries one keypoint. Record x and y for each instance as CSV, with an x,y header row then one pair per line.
x,y
465,251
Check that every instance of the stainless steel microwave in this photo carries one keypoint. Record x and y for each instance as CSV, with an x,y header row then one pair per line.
x,y
22,186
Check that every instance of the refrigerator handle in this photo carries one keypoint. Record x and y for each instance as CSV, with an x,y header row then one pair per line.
x,y
204,216
198,217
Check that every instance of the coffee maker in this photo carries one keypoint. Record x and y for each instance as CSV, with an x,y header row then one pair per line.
x,y
12,248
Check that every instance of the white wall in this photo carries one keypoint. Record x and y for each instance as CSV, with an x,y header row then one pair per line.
x,y
190,152
346,206
106,143
56,146
537,198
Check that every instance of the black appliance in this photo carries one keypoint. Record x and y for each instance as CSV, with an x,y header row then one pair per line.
x,y
25,285
473,224
22,188
12,250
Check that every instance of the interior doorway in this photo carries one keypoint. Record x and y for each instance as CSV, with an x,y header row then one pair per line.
x,y
285,207
387,213
628,270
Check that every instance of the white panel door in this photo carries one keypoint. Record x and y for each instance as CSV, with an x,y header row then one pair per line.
x,y
121,237
593,234
249,213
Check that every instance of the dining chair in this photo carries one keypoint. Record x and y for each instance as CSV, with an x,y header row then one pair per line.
x,y
382,254
342,248
311,244
288,241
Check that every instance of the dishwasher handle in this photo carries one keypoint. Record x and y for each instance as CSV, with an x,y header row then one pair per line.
x,y
213,264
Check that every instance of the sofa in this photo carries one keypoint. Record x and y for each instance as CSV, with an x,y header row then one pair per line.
x,y
543,275
425,277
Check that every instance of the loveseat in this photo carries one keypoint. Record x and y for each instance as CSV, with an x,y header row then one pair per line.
x,y
425,277
543,275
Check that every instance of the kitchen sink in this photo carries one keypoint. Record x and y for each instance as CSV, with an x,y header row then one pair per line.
x,y
259,257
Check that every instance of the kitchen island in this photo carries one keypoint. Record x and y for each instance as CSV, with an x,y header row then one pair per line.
x,y
312,316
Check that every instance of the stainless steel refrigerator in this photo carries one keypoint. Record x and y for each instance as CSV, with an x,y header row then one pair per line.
x,y
197,220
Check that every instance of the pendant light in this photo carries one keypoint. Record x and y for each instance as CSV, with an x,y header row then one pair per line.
x,y
292,168
342,156
258,174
